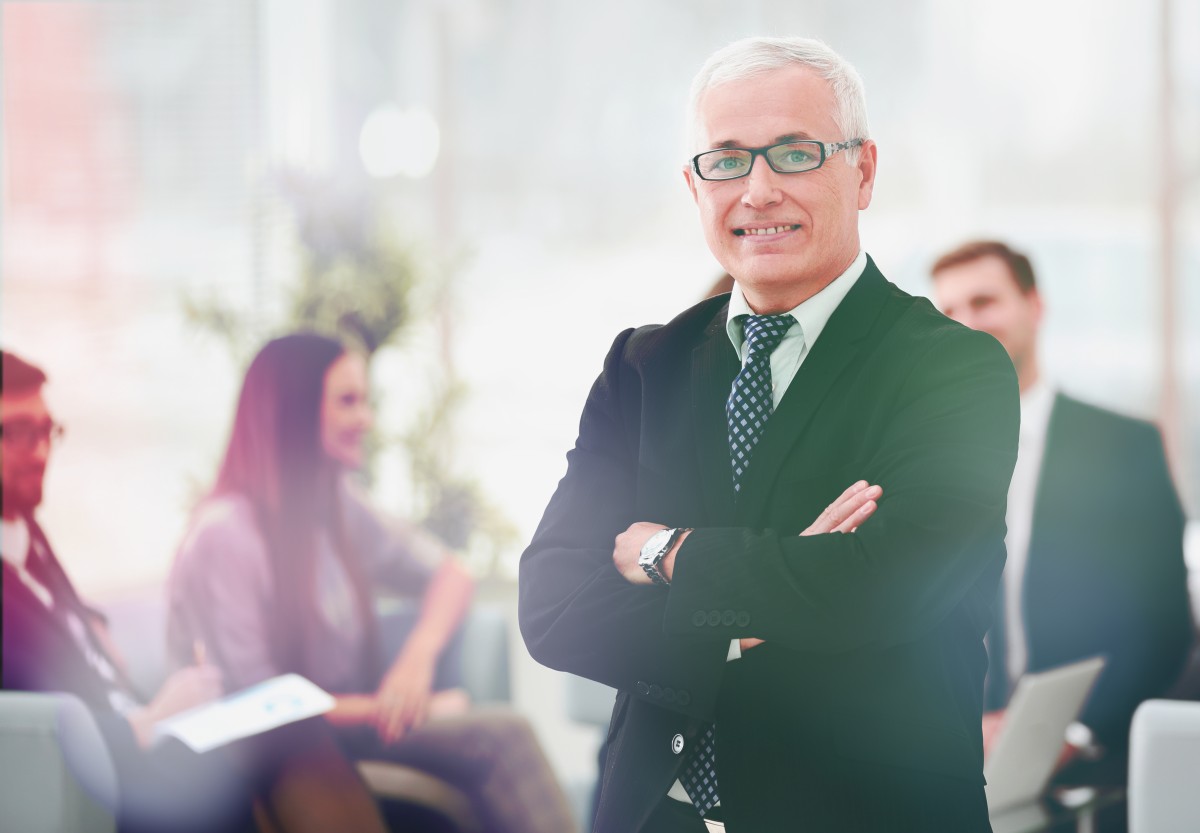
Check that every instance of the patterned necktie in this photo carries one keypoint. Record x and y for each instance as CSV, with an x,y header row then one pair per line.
x,y
750,401
747,410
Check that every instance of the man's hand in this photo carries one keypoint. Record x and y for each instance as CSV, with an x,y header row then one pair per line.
x,y
992,721
848,512
185,689
845,514
628,547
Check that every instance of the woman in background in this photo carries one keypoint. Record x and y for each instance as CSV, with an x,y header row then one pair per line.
x,y
275,576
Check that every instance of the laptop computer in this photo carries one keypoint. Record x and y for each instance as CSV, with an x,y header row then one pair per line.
x,y
1023,755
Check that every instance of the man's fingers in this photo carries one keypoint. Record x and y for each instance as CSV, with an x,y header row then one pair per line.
x,y
856,517
850,492
848,510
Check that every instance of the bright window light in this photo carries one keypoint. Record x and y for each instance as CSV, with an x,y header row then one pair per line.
x,y
399,142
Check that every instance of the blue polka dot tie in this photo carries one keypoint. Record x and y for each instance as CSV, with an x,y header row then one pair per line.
x,y
747,410
750,402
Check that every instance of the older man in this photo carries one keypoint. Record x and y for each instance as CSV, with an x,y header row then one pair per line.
x,y
1095,529
771,672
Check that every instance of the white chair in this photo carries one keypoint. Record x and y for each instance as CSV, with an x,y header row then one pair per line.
x,y
1164,767
55,772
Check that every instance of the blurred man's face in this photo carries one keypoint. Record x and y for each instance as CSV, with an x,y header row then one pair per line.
x,y
783,237
24,449
984,295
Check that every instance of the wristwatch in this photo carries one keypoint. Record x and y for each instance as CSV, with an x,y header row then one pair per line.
x,y
655,549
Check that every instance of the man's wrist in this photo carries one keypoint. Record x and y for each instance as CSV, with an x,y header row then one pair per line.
x,y
659,548
667,565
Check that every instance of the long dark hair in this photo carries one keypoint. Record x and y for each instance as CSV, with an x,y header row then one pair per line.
x,y
276,460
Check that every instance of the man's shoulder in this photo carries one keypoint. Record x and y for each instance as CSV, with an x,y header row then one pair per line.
x,y
1082,418
914,330
683,331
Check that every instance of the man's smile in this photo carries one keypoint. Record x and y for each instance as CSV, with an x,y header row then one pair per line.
x,y
748,231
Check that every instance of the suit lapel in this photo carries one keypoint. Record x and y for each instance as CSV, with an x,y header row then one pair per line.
x,y
838,344
66,598
22,606
714,366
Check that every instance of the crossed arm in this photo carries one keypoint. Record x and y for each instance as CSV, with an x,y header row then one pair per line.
x,y
943,448
851,509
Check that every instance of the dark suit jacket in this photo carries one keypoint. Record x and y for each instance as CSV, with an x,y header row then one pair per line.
x,y
167,787
40,653
1105,572
874,660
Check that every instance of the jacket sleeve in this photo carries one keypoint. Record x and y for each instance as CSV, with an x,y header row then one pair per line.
x,y
943,450
576,612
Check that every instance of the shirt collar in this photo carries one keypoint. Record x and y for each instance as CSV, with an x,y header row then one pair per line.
x,y
14,542
812,314
1036,404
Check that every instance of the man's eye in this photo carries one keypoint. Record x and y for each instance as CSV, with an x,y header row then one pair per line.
x,y
797,157
729,163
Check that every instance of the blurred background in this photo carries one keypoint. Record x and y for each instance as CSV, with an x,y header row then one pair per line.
x,y
463,182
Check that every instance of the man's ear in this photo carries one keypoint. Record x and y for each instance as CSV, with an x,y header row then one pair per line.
x,y
867,160
689,177
1035,301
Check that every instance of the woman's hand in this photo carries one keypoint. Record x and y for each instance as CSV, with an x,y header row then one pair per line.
x,y
402,701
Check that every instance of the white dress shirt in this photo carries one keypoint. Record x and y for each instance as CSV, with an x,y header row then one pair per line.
x,y
1036,404
811,317
14,548
16,543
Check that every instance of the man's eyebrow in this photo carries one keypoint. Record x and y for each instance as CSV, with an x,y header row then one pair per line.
x,y
799,136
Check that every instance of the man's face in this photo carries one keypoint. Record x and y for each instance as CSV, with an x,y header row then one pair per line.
x,y
813,215
24,449
984,295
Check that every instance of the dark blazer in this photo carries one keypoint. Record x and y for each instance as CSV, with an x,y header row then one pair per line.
x,y
40,653
872,672
1105,572
167,787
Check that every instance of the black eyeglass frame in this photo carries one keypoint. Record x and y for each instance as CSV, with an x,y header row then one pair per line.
x,y
828,149
28,437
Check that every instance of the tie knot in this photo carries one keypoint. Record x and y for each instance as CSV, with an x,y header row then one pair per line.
x,y
764,332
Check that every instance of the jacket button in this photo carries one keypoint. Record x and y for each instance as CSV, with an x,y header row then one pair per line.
x,y
677,744
668,695
683,696
728,618
656,692
743,619
642,688
698,618
714,618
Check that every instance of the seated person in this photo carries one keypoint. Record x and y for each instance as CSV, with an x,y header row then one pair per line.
x,y
54,642
276,572
1095,533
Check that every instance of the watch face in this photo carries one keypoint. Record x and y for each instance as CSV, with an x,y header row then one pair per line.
x,y
653,546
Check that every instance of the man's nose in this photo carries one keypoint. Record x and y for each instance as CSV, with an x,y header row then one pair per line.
x,y
762,185
41,449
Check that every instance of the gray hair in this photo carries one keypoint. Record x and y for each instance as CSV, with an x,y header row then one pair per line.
x,y
754,56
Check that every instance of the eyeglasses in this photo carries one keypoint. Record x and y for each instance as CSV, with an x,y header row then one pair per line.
x,y
26,436
786,158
